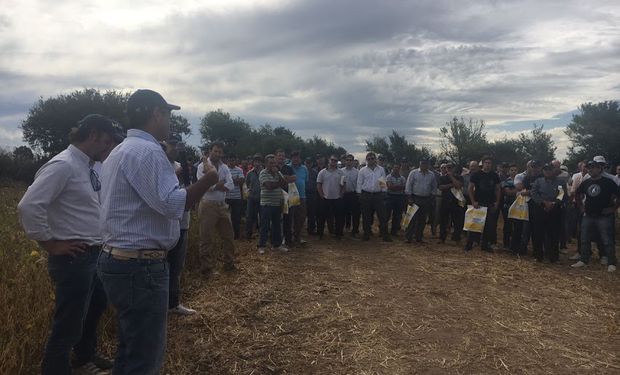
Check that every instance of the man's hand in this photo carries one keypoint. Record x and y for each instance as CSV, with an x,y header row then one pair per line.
x,y
608,210
70,247
548,205
475,204
220,186
210,174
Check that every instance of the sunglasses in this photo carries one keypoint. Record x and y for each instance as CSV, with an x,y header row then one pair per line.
x,y
370,158
94,180
333,160
349,160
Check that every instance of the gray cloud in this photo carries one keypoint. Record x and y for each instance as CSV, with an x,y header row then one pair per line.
x,y
345,70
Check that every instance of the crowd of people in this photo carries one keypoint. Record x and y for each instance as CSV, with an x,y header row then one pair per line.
x,y
116,231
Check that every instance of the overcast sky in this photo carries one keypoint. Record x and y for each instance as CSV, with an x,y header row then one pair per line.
x,y
342,69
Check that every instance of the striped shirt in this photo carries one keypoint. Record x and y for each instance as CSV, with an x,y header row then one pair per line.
x,y
270,197
421,184
235,192
392,180
141,201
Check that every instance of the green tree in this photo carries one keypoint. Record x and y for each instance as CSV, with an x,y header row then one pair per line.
x,y
595,130
380,146
395,147
220,126
507,150
463,141
49,121
180,125
537,145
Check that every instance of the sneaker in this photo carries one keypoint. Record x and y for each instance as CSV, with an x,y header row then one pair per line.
x,y
604,261
578,264
575,256
261,250
611,268
281,248
182,310
90,368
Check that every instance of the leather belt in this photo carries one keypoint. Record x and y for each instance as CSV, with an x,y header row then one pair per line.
x,y
135,254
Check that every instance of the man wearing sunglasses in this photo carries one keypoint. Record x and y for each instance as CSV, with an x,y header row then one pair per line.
x,y
60,211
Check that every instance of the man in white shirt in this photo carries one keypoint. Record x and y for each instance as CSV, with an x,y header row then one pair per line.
x,y
141,206
330,185
215,216
372,187
60,210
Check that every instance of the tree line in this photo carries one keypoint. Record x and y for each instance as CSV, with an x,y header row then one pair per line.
x,y
595,130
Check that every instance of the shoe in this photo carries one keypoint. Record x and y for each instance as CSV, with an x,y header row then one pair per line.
x,y
182,310
387,239
261,250
575,256
303,242
90,368
230,267
604,261
578,264
611,268
103,362
281,248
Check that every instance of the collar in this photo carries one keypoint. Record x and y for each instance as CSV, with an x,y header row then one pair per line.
x,y
80,155
142,135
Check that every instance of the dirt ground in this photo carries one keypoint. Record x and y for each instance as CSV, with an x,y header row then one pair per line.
x,y
352,307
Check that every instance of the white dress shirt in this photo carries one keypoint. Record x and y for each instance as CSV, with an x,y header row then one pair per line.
x,y
368,180
141,201
61,203
224,175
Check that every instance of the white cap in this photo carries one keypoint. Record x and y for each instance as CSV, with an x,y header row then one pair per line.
x,y
600,159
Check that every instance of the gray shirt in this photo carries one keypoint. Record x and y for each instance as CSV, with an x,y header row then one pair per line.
x,y
547,190
421,184
351,179
330,180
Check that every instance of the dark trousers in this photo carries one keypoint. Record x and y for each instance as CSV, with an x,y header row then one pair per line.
x,y
311,210
603,225
251,219
371,203
417,224
451,212
74,280
331,211
394,207
176,262
516,239
509,225
563,226
86,349
235,206
545,232
270,220
138,290
298,217
488,233
352,211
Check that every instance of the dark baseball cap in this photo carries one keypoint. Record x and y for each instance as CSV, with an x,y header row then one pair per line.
x,y
144,100
548,166
535,163
103,124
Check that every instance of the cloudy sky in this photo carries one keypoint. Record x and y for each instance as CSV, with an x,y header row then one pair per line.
x,y
342,69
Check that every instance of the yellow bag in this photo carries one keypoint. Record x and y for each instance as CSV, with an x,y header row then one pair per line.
x,y
293,195
519,209
475,219
411,210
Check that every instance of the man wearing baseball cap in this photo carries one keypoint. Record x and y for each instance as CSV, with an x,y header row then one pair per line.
x,y
60,211
141,208
602,199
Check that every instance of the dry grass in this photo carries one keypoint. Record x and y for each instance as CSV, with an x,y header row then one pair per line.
x,y
349,307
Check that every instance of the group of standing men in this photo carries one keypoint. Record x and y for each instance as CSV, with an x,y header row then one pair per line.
x,y
117,232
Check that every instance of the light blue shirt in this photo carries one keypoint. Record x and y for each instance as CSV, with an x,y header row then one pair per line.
x,y
421,184
301,172
141,201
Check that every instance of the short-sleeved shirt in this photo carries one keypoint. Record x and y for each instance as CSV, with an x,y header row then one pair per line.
x,y
598,194
485,183
330,180
446,195
235,192
270,197
396,181
351,179
301,172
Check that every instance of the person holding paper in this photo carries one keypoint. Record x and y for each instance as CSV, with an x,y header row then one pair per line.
x,y
484,190
420,186
451,208
330,185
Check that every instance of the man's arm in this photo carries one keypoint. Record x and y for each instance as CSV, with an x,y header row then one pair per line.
x,y
472,195
198,189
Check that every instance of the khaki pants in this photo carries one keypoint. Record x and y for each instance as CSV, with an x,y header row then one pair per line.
x,y
215,218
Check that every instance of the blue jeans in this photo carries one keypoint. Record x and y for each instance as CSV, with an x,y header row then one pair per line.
x,y
73,279
270,219
604,225
138,290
